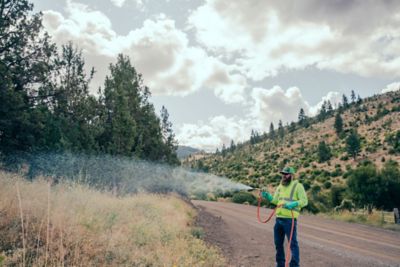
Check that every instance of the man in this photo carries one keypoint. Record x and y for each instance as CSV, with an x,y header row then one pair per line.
x,y
292,196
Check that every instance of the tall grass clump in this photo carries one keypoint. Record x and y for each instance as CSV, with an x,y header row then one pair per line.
x,y
67,224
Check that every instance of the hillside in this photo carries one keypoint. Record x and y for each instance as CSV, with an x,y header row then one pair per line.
x,y
375,119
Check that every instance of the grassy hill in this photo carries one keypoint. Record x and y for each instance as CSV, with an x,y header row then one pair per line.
x,y
257,163
72,225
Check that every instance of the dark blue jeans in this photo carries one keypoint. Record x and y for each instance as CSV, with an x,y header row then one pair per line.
x,y
282,227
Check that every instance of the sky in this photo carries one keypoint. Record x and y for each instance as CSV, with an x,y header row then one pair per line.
x,y
223,68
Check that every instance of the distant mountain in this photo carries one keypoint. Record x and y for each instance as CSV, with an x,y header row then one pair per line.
x,y
186,151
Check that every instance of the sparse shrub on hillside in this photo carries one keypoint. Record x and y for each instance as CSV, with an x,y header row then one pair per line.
x,y
393,139
337,172
306,164
306,184
327,184
315,189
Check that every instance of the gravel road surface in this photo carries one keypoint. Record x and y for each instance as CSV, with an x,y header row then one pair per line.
x,y
246,242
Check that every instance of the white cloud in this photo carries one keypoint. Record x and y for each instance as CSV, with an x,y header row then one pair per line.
x,y
334,97
120,3
217,131
159,50
266,106
391,87
269,36
276,104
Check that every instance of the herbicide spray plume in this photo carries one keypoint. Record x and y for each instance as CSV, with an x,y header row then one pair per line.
x,y
122,175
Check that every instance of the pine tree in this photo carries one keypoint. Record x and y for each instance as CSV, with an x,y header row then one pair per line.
x,y
353,144
281,130
345,102
323,111
271,132
329,108
292,127
303,120
324,152
25,62
232,147
74,109
338,124
223,150
353,96
131,126
359,100
168,135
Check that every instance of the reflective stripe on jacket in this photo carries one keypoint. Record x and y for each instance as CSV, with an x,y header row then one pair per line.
x,y
292,192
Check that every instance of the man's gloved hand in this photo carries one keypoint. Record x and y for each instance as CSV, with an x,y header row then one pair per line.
x,y
290,205
265,194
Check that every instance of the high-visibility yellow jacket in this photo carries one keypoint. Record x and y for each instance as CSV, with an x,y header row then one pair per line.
x,y
292,192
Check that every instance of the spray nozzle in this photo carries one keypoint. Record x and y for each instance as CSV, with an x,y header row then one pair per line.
x,y
250,189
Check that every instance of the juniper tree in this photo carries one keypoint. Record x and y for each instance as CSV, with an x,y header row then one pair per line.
x,y
324,152
281,130
338,124
25,62
271,132
353,144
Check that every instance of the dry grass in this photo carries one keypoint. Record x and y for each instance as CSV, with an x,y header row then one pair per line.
x,y
376,218
72,225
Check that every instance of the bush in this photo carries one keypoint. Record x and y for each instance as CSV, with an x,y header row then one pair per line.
x,y
242,197
327,185
311,207
337,194
345,205
315,189
306,185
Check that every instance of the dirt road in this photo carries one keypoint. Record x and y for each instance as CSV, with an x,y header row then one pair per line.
x,y
246,242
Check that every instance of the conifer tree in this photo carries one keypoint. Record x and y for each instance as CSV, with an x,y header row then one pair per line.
x,y
303,120
25,62
353,144
281,130
345,101
168,135
271,132
338,124
353,96
324,152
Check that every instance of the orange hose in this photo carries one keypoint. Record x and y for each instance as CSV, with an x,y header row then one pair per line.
x,y
287,260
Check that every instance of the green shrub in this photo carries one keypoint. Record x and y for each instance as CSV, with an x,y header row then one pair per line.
x,y
197,232
306,185
315,189
311,207
327,184
242,197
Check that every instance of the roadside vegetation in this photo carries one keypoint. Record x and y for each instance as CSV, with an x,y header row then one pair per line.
x,y
68,224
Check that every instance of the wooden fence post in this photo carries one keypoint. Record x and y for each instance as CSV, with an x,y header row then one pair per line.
x,y
396,215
